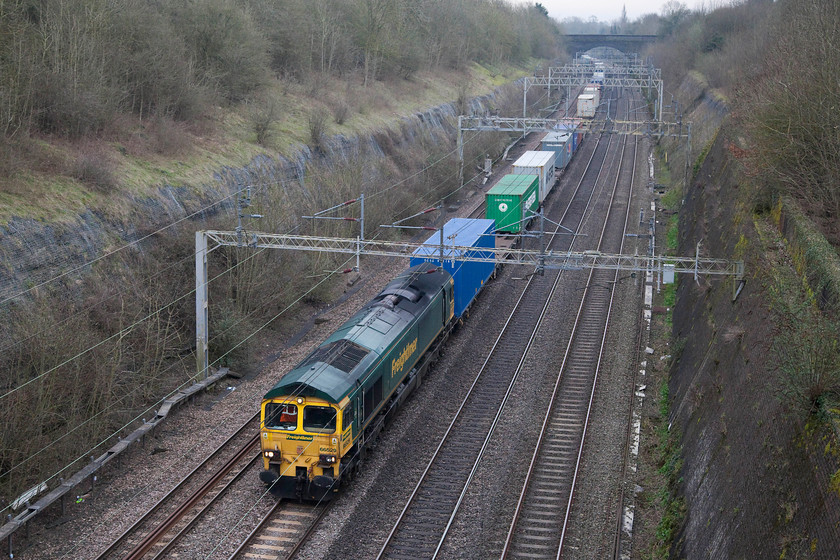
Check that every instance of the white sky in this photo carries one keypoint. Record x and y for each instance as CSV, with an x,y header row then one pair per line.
x,y
604,10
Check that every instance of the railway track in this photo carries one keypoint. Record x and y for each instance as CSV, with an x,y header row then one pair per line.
x,y
287,526
424,521
281,532
631,416
549,485
156,531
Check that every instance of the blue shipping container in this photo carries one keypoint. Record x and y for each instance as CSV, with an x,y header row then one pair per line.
x,y
570,128
557,142
469,276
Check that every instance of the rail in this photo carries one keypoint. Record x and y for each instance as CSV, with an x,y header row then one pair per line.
x,y
89,471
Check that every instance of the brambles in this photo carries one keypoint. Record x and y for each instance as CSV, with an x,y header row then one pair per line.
x,y
96,171
317,129
807,354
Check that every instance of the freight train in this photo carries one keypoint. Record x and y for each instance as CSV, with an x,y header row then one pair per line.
x,y
318,422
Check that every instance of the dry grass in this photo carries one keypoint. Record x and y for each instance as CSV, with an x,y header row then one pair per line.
x,y
146,154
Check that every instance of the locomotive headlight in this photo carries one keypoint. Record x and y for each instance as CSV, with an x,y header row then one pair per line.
x,y
327,459
269,454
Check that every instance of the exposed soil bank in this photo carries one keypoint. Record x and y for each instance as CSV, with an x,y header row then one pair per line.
x,y
756,479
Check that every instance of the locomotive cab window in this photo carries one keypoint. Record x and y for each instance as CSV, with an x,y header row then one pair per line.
x,y
319,419
281,416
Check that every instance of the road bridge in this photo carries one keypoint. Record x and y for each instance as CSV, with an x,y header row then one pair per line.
x,y
623,43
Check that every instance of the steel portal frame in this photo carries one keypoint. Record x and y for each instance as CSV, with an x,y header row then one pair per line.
x,y
532,124
207,241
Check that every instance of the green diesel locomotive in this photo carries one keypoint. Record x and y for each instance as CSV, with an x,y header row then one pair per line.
x,y
322,416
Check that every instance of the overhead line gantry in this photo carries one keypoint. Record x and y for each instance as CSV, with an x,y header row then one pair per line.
x,y
662,265
525,125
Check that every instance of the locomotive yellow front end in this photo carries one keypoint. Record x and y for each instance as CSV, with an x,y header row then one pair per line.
x,y
301,441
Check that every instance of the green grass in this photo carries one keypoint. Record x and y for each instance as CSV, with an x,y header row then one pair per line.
x,y
670,459
672,199
672,234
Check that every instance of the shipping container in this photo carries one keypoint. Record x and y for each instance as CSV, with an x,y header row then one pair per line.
x,y
571,128
586,105
512,202
469,276
561,144
592,89
540,164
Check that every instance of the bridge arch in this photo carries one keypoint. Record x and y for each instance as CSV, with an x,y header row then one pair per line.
x,y
623,43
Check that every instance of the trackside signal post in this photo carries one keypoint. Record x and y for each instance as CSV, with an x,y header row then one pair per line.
x,y
207,241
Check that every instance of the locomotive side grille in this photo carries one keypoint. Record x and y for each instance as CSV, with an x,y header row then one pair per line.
x,y
341,354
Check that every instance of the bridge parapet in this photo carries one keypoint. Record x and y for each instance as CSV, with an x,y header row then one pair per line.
x,y
623,43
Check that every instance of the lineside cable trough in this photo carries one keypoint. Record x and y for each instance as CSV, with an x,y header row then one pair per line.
x,y
89,471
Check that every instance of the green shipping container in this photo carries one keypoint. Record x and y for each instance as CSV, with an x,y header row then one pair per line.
x,y
512,202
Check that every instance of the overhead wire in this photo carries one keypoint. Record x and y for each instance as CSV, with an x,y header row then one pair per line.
x,y
119,333
414,175
89,307
110,406
173,302
186,383
361,384
267,491
406,280
123,331
261,186
115,251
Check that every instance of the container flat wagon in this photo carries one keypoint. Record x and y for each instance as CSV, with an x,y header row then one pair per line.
x,y
586,105
561,144
594,90
512,202
577,136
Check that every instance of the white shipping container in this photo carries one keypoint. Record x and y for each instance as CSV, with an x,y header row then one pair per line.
x,y
586,105
594,91
540,164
